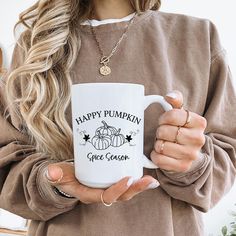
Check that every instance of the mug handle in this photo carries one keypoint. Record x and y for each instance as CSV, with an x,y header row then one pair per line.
x,y
148,100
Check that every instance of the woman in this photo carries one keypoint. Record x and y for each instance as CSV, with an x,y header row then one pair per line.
x,y
65,42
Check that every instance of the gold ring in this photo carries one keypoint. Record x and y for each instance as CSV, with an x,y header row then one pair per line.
x,y
105,204
56,181
162,147
188,118
177,133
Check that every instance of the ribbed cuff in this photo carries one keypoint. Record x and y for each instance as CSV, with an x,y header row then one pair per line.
x,y
46,190
188,177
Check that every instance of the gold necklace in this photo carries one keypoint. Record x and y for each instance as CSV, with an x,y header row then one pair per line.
x,y
105,69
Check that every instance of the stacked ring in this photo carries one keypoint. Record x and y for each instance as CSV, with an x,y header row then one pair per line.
x,y
177,133
103,202
188,119
162,147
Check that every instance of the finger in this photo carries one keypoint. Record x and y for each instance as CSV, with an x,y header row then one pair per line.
x,y
169,163
93,195
182,135
177,117
145,183
113,193
175,98
176,151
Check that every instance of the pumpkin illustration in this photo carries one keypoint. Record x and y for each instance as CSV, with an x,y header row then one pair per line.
x,y
117,139
101,141
106,129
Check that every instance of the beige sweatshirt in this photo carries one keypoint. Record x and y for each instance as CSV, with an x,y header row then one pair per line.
x,y
163,52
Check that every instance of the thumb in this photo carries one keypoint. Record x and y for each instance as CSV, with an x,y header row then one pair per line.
x,y
175,98
59,173
54,173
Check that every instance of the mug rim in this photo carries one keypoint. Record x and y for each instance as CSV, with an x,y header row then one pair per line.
x,y
108,84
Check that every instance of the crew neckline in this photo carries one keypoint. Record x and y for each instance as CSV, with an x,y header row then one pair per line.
x,y
95,23
116,26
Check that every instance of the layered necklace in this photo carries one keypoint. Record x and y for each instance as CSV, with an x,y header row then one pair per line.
x,y
105,69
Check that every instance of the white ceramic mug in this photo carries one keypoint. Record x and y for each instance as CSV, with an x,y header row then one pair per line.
x,y
108,127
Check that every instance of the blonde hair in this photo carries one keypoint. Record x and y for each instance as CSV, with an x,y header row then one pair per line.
x,y
51,44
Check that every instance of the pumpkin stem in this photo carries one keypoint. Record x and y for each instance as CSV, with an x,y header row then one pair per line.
x,y
105,124
118,131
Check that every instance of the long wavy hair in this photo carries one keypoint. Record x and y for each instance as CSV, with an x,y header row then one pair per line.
x,y
51,44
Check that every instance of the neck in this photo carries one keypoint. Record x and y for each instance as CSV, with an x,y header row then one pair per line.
x,y
111,9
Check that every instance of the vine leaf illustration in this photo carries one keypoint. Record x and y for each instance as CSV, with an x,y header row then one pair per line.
x,y
134,133
86,137
129,138
106,136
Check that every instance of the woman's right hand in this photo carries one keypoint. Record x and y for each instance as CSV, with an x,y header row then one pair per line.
x,y
123,190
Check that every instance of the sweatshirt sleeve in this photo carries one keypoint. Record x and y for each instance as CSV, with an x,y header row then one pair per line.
x,y
24,189
213,174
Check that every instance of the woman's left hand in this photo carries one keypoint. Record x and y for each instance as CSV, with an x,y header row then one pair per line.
x,y
179,137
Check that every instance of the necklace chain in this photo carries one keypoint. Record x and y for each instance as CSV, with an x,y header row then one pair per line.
x,y
105,70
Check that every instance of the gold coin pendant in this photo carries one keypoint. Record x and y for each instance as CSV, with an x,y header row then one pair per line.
x,y
105,70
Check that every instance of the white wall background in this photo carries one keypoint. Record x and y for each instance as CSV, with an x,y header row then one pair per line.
x,y
222,13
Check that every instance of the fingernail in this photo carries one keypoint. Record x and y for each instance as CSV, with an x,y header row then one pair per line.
x,y
130,181
171,95
56,176
47,175
153,185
